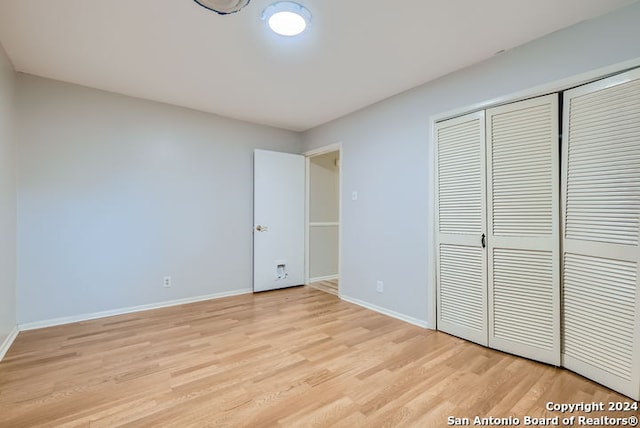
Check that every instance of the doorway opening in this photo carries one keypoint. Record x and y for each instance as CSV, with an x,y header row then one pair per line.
x,y
323,219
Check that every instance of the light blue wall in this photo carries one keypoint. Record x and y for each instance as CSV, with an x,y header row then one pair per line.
x,y
7,201
114,193
388,157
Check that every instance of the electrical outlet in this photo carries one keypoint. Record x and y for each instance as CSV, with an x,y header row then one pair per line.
x,y
379,286
166,282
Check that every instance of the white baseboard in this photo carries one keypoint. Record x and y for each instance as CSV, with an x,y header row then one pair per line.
x,y
388,312
4,347
103,314
324,278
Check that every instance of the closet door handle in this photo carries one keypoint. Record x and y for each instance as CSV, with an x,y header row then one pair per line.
x,y
483,241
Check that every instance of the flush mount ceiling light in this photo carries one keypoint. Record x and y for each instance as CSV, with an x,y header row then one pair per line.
x,y
287,18
223,7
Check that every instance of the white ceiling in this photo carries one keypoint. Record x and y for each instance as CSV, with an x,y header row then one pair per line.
x,y
356,52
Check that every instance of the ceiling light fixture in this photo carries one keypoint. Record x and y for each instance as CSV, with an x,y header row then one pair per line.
x,y
223,7
287,18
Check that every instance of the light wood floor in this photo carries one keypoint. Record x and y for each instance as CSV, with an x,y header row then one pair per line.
x,y
296,358
330,287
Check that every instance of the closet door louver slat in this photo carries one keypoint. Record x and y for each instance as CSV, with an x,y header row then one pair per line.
x,y
522,152
601,212
460,216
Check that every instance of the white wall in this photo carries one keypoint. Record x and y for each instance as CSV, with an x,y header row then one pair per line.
x,y
324,189
387,156
7,201
324,182
114,193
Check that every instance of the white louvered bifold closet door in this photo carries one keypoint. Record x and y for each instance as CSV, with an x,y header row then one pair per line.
x,y
601,210
460,219
524,228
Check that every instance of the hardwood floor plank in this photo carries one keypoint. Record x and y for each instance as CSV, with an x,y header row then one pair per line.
x,y
287,358
329,286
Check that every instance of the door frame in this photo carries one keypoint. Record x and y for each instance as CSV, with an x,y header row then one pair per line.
x,y
335,147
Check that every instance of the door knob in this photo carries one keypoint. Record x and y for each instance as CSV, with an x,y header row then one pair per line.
x,y
261,228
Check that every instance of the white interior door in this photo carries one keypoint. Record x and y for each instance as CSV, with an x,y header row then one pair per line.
x,y
279,220
524,228
601,210
460,226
